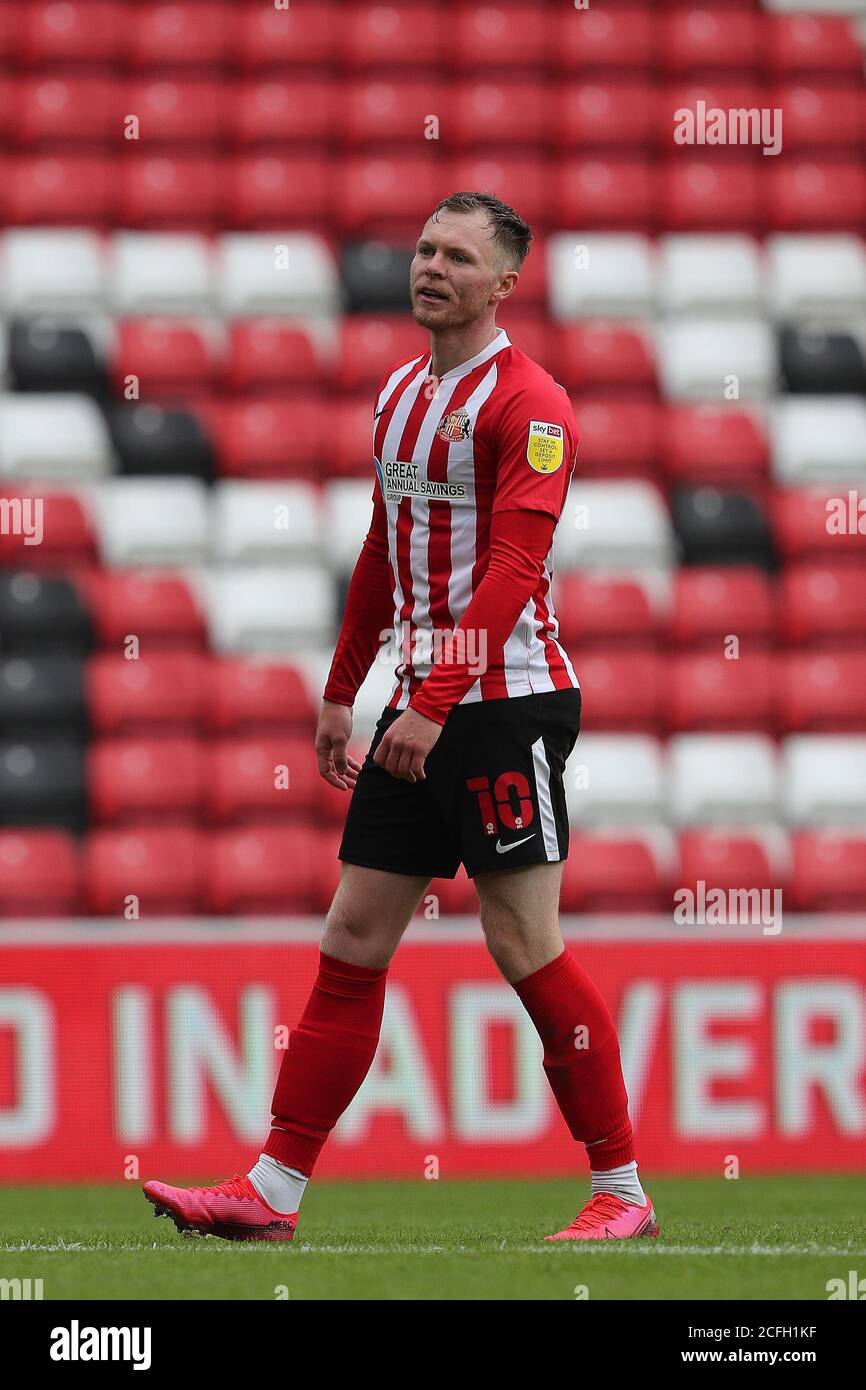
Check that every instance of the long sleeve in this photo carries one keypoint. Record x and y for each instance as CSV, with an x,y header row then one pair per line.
x,y
519,543
368,613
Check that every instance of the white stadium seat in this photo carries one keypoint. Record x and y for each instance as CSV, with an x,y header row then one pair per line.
x,y
615,779
824,779
816,275
817,439
276,273
594,275
51,270
153,521
614,525
719,275
697,359
266,523
161,273
55,435
269,610
348,513
722,779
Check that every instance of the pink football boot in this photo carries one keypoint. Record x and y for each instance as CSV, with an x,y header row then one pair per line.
x,y
606,1217
231,1209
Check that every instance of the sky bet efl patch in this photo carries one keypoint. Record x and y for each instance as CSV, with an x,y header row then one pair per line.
x,y
544,448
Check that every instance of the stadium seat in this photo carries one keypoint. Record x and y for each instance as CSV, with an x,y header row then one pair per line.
x,y
822,692
813,276
701,40
604,193
804,195
379,114
728,857
600,114
719,445
712,604
486,37
698,358
169,190
393,38
823,605
42,614
814,362
262,870
153,521
375,277
42,694
351,452
815,440
39,874
273,355
42,783
159,608
618,438
160,273
51,270
266,523
819,524
269,610
615,779
271,111
370,344
52,435
166,36
68,540
700,194
58,112
597,275
270,438
722,779
723,91
615,524
829,872
162,867
721,528
86,32
592,40
819,119
143,780
270,188
250,698
387,196
617,871
299,39
597,609
156,441
57,189
813,43
709,691
824,780
184,111
266,778
157,693
348,512
169,357
493,113
605,358
623,691
45,355
710,275
290,273
519,180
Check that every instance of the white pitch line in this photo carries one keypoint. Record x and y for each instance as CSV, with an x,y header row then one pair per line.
x,y
586,1248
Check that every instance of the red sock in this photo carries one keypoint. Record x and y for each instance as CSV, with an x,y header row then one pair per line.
x,y
587,1081
329,1054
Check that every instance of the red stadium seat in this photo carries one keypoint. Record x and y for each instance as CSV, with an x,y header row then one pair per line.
x,y
180,110
713,445
391,196
299,39
370,344
351,436
814,523
597,356
702,194
286,111
822,604
619,438
377,112
496,37
711,604
819,117
523,183
698,40
395,38
64,189
723,858
160,693
326,867
11,31
707,691
63,111
812,43
270,438
829,872
273,777
170,191
272,190
716,92
39,874
89,32
597,115
262,870
252,698
169,357
162,867
595,610
158,607
273,355
604,193
146,779
622,691
194,34
804,195
598,40
822,692
68,538
451,897
613,873
497,114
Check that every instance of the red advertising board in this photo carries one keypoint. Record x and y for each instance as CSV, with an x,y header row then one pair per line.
x,y
156,1055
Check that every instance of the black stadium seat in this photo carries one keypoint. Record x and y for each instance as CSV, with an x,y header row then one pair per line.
x,y
375,277
41,694
42,783
47,356
41,615
721,528
816,362
154,441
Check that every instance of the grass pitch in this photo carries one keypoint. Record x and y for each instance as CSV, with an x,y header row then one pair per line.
x,y
753,1238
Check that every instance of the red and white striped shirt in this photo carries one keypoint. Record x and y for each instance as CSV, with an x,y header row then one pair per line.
x,y
495,434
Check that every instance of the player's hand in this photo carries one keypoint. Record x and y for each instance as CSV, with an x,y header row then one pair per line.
x,y
332,738
405,745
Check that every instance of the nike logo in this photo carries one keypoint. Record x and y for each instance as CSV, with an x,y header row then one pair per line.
x,y
380,412
503,849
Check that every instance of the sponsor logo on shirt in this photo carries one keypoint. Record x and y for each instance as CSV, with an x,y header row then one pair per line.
x,y
544,446
401,480
454,426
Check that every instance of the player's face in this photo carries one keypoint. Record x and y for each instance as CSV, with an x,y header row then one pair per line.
x,y
454,272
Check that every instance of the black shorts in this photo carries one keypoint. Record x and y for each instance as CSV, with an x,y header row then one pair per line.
x,y
493,796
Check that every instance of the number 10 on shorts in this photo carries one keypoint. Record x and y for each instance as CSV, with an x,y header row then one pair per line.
x,y
497,808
